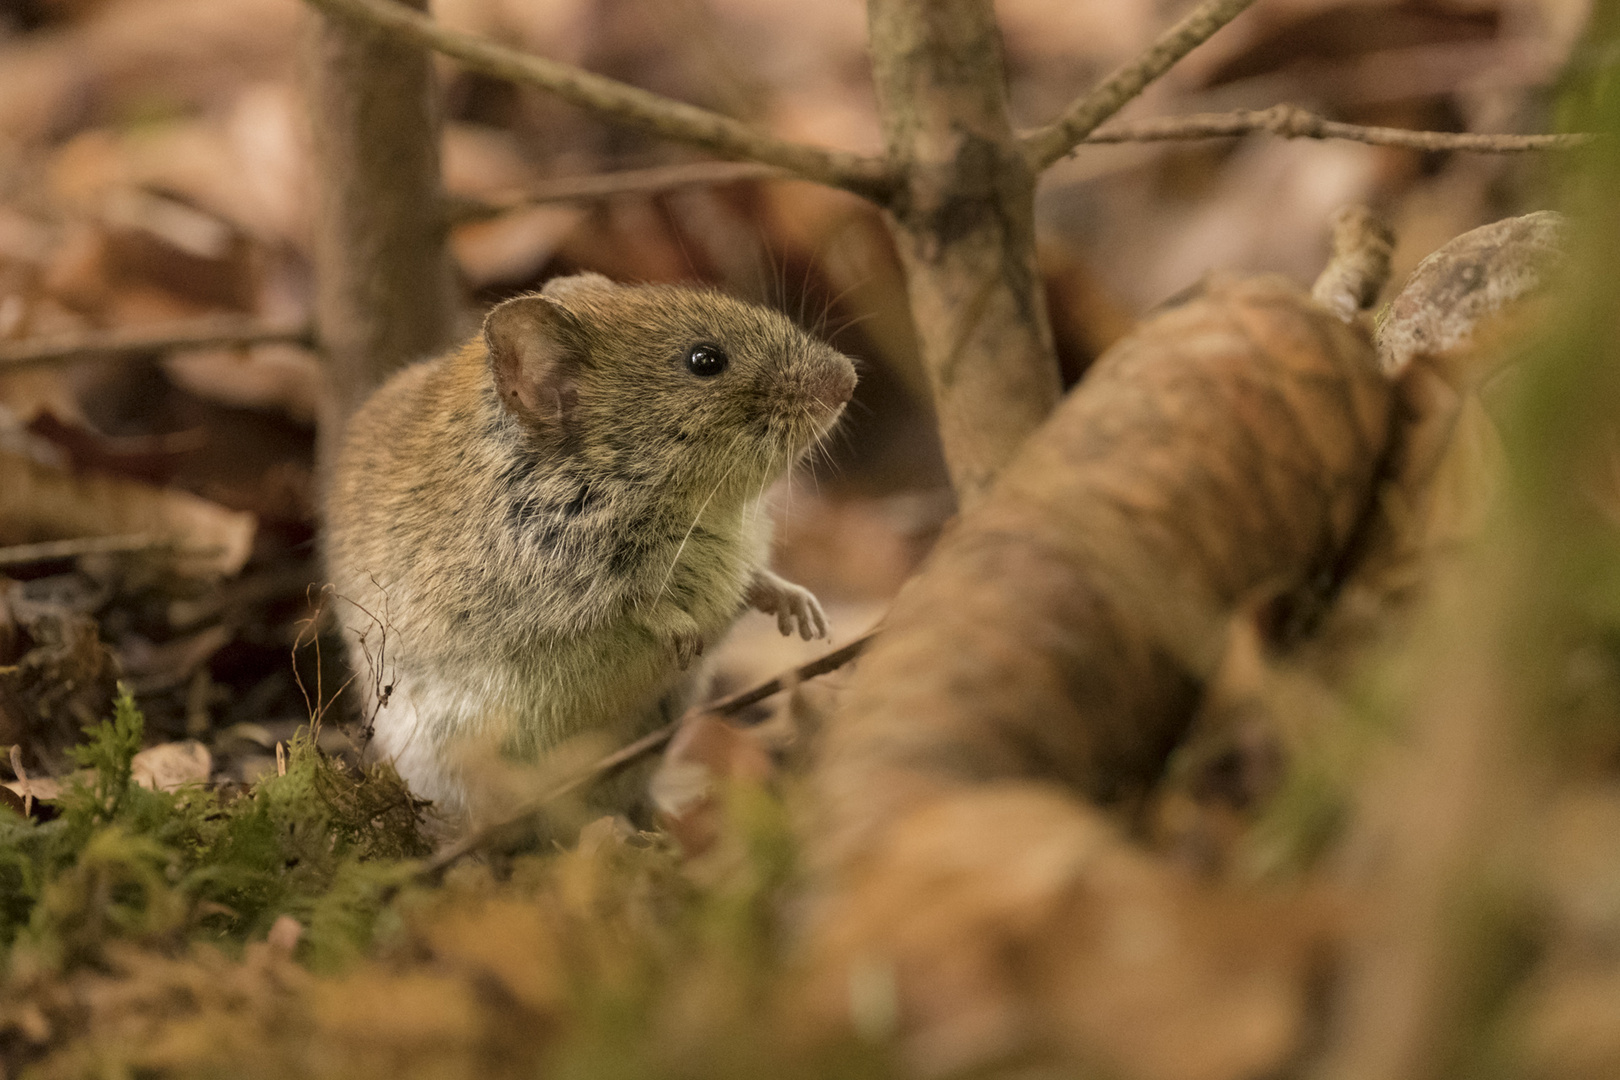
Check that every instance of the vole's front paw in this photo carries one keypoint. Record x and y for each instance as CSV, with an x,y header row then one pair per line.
x,y
793,605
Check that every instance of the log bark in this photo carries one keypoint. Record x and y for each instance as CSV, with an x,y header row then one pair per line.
x,y
963,220
385,291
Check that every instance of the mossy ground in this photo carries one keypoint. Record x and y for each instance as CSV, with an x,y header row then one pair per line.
x,y
135,928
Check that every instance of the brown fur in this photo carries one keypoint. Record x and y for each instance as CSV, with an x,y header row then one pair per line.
x,y
553,519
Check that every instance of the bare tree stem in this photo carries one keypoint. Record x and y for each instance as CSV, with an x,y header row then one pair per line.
x,y
1046,145
622,102
208,332
964,227
1359,266
385,289
1292,122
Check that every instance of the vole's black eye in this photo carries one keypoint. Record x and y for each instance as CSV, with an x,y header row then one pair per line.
x,y
706,360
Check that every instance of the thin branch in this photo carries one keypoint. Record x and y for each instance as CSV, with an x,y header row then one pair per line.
x,y
1292,122
963,227
385,282
622,102
26,554
625,182
1359,266
726,706
736,703
209,332
1046,145
1396,74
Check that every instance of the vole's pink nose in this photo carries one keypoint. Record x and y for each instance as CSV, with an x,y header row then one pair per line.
x,y
832,386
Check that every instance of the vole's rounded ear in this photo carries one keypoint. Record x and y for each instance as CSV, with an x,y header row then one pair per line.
x,y
561,288
536,352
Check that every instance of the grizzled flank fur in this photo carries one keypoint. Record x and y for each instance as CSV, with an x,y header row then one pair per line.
x,y
548,560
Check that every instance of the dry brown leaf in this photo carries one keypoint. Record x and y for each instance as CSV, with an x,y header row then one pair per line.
x,y
128,51
482,162
170,766
852,546
705,754
41,788
1012,919
513,246
284,377
41,503
1464,285
1458,319
13,801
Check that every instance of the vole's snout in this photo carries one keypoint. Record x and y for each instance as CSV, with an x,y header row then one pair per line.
x,y
832,385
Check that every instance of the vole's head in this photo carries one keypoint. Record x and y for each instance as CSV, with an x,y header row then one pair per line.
x,y
660,382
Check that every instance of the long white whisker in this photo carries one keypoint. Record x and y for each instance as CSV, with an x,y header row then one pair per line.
x,y
699,516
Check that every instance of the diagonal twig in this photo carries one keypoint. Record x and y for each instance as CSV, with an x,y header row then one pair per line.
x,y
1046,145
1292,122
726,706
206,332
622,102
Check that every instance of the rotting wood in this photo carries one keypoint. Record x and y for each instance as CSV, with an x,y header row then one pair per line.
x,y
1227,448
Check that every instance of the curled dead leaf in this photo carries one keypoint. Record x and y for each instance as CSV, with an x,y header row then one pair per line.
x,y
1467,282
1452,326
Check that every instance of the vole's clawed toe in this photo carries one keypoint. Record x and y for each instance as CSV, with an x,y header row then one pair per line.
x,y
793,605
823,628
807,614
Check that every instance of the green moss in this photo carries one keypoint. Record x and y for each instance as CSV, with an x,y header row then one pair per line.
x,y
320,842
